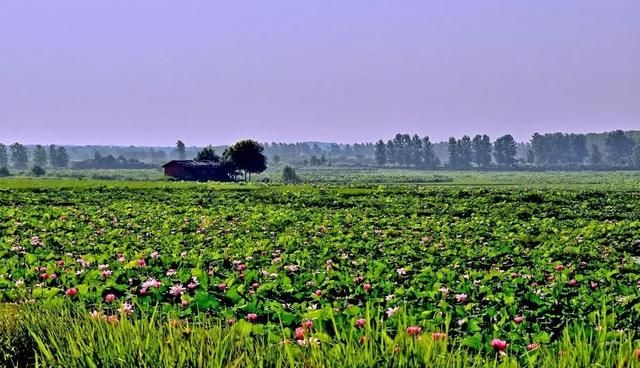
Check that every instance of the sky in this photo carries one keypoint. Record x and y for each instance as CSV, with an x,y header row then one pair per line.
x,y
149,72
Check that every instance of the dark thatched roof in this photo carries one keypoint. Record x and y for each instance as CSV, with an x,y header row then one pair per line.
x,y
193,164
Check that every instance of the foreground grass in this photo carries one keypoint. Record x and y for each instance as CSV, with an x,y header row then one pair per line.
x,y
64,336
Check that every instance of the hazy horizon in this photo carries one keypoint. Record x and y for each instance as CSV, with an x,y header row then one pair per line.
x,y
150,72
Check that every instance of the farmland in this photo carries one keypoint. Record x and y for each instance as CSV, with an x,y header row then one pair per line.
x,y
463,260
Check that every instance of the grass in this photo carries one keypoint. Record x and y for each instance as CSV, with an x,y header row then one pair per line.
x,y
63,335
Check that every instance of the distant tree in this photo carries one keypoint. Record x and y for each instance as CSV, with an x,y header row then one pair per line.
x,y
504,151
289,175
635,158
482,150
619,148
276,159
392,156
38,171
578,148
62,158
381,153
19,156
454,155
596,156
465,152
4,172
415,151
323,160
181,150
207,154
39,156
53,155
429,158
247,156
4,157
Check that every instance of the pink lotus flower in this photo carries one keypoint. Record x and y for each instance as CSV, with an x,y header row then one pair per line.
x,y
71,292
461,298
252,317
401,271
193,283
318,292
391,311
518,319
60,263
307,325
533,346
414,330
177,290
154,255
299,333
366,287
241,267
144,291
231,321
360,323
438,336
95,314
514,275
255,285
292,268
53,276
142,263
106,274
559,267
222,286
109,298
44,276
126,309
184,303
113,319
594,285
151,283
572,283
358,279
171,272
499,345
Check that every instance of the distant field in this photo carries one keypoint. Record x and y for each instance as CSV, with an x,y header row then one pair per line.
x,y
615,180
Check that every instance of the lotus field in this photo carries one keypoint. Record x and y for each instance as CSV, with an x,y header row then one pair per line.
x,y
497,273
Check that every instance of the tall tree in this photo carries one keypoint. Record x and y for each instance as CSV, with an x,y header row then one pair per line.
x,y
181,149
381,153
19,156
504,151
62,158
482,150
39,156
392,156
246,155
416,151
635,158
454,160
429,158
596,156
465,152
619,148
4,157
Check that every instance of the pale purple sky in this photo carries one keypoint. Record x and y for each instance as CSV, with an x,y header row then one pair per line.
x,y
148,72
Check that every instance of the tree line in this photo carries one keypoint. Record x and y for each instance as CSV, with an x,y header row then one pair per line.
x,y
18,156
550,151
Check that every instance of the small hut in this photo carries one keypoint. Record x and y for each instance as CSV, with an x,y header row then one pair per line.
x,y
197,170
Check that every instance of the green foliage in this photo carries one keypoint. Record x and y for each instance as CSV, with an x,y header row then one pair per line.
x,y
39,156
4,157
207,154
289,175
246,155
505,151
19,156
38,171
181,150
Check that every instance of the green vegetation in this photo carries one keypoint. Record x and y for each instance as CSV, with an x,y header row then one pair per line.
x,y
525,264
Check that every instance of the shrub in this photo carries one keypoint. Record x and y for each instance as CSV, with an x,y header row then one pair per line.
x,y
38,171
289,175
